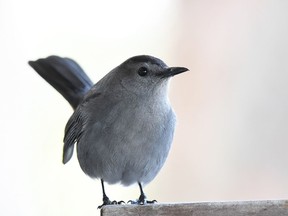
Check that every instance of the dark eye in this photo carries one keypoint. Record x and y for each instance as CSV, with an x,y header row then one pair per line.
x,y
143,71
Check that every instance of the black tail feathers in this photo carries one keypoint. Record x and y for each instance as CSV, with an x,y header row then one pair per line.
x,y
65,75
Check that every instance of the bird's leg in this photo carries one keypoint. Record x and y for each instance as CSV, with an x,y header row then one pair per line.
x,y
142,198
106,200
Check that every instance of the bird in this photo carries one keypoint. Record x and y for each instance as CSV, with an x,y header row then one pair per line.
x,y
122,126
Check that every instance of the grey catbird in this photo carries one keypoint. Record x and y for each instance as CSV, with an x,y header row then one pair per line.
x,y
123,125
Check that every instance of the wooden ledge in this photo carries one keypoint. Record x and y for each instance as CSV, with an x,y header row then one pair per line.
x,y
235,208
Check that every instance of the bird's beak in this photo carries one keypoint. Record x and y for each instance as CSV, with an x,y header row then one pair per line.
x,y
171,71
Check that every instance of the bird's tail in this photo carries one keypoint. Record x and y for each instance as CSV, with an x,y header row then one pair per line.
x,y
65,75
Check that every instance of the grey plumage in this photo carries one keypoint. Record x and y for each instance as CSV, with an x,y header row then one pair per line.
x,y
124,124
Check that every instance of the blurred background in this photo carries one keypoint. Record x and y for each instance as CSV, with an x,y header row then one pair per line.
x,y
231,141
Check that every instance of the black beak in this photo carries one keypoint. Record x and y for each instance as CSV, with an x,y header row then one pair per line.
x,y
171,71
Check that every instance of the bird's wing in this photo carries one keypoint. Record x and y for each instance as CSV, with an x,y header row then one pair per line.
x,y
76,124
73,131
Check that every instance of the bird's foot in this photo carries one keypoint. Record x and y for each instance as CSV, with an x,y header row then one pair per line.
x,y
106,201
142,201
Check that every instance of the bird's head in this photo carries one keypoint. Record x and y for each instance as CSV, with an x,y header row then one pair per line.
x,y
143,74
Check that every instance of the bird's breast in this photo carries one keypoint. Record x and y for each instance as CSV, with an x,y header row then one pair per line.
x,y
129,144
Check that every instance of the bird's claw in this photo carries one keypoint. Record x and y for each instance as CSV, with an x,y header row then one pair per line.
x,y
151,201
108,202
141,202
120,202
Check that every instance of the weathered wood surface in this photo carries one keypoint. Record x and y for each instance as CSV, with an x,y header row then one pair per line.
x,y
238,208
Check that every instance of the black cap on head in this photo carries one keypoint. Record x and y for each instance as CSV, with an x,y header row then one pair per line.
x,y
147,59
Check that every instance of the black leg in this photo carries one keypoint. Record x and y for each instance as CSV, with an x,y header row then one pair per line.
x,y
106,200
142,198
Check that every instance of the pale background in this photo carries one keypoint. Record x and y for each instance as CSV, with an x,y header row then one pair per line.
x,y
231,141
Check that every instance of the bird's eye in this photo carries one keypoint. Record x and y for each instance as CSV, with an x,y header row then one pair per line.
x,y
143,71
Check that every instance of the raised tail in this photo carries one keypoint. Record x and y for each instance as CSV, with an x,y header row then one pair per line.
x,y
65,75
